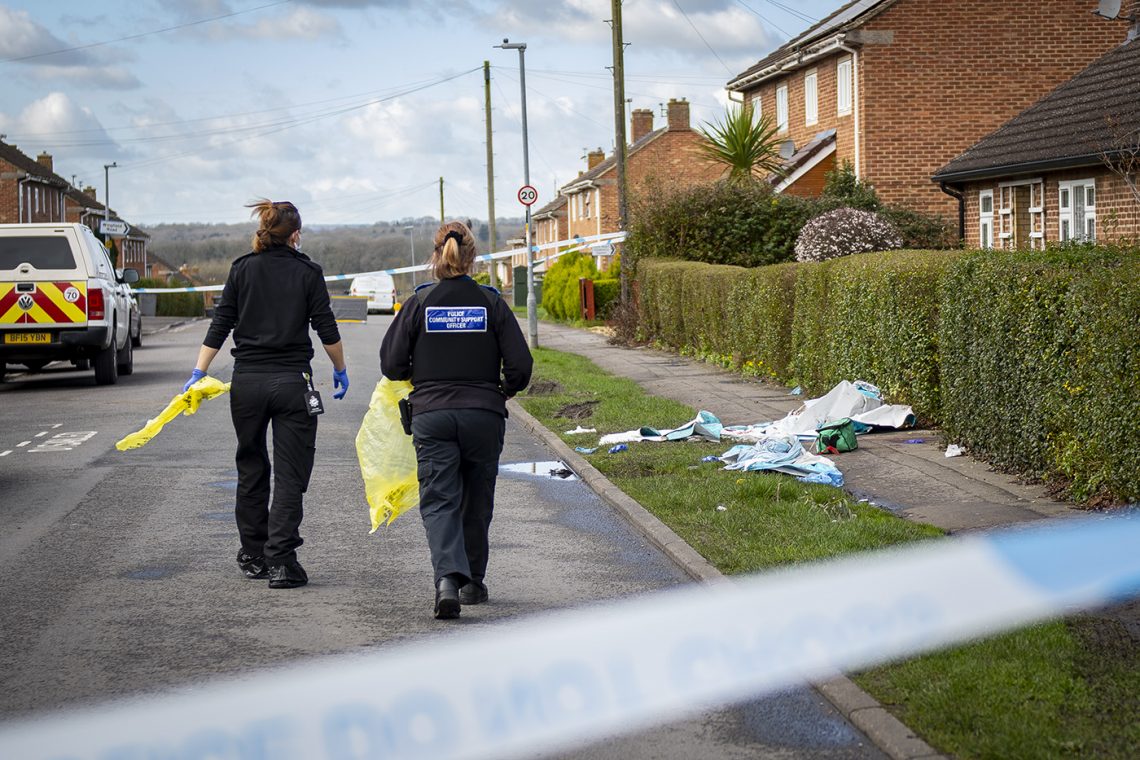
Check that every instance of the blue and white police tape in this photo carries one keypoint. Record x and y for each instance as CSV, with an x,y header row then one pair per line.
x,y
572,244
565,678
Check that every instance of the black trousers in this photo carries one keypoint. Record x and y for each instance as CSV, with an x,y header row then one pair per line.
x,y
257,400
457,454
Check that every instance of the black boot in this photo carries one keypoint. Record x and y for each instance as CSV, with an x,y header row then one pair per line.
x,y
252,566
446,598
288,574
474,592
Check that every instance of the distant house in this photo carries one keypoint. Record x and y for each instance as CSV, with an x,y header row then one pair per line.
x,y
31,192
1047,175
668,155
900,87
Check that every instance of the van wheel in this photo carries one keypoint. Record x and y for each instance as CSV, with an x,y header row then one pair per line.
x,y
106,366
126,358
81,364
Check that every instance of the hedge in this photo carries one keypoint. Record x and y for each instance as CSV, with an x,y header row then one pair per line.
x,y
1028,359
174,304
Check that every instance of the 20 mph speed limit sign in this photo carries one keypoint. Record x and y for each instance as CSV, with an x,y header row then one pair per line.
x,y
527,195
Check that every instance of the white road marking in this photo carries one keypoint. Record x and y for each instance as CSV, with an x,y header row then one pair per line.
x,y
40,435
5,453
64,441
21,444
57,425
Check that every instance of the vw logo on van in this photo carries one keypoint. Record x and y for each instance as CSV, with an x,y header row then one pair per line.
x,y
26,302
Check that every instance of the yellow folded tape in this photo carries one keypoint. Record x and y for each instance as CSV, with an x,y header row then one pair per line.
x,y
186,403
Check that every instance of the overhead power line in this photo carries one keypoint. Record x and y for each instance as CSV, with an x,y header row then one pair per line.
x,y
698,31
141,34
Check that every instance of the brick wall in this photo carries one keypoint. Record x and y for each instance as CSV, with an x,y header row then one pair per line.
x,y
941,76
1117,209
799,131
956,71
9,195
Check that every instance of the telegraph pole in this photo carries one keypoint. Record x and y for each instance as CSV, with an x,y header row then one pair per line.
x,y
490,173
441,222
619,134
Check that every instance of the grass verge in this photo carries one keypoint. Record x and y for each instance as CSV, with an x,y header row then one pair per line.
x,y
1055,690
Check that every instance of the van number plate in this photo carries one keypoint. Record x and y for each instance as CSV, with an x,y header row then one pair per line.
x,y
25,338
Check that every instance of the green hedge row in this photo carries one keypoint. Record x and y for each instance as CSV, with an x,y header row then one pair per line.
x,y
1029,359
174,304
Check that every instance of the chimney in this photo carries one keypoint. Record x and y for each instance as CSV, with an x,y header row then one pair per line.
x,y
641,124
595,157
678,114
89,191
44,160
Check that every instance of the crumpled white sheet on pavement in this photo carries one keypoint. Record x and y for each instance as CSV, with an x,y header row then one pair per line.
x,y
782,453
705,424
860,401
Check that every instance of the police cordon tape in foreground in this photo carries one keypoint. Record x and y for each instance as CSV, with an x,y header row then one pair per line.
x,y
574,245
565,678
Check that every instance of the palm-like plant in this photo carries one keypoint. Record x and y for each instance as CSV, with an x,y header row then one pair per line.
x,y
749,146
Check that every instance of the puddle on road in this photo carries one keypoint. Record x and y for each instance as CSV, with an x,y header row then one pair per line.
x,y
557,470
150,573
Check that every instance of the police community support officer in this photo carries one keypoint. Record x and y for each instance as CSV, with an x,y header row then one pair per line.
x,y
271,297
460,345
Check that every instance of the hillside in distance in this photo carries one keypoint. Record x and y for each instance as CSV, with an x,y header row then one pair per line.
x,y
208,249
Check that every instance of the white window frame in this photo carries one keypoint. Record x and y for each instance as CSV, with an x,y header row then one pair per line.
x,y
986,219
811,97
757,104
782,108
586,203
1076,222
843,68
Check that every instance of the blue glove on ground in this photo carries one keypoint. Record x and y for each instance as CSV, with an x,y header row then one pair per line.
x,y
195,376
340,380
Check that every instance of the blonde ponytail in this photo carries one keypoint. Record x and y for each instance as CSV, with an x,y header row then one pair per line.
x,y
454,251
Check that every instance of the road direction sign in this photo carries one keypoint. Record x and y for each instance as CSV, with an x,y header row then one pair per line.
x,y
527,195
113,228
602,249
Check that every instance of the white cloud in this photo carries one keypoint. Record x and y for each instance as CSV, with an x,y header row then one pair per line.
x,y
24,41
55,119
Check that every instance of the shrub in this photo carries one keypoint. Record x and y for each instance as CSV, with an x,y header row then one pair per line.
x,y
842,188
560,295
845,231
174,304
606,294
919,231
717,223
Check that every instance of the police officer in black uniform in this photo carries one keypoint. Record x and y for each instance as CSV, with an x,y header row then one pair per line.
x,y
271,297
461,346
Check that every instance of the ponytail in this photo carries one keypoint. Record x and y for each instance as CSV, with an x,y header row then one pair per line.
x,y
277,221
454,251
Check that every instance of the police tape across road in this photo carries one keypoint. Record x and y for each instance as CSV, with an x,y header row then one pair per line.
x,y
565,678
573,244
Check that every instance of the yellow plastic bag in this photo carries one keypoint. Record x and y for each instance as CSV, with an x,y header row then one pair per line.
x,y
186,403
387,456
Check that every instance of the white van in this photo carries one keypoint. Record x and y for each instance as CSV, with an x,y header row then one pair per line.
x,y
379,288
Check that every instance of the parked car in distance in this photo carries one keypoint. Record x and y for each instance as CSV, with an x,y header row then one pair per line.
x,y
380,290
61,300
135,312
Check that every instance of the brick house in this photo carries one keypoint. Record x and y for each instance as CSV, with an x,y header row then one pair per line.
x,y
900,87
1047,175
667,155
31,192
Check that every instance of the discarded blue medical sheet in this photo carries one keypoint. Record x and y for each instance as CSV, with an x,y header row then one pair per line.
x,y
782,453
705,424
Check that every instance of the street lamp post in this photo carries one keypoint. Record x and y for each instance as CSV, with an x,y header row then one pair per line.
x,y
531,304
107,188
412,242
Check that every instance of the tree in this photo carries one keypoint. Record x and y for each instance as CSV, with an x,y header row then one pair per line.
x,y
748,146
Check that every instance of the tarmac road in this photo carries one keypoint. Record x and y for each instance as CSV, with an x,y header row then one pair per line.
x,y
119,572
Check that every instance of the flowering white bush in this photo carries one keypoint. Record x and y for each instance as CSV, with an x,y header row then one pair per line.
x,y
845,231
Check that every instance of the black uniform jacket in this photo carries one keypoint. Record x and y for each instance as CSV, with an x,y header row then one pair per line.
x,y
458,368
269,301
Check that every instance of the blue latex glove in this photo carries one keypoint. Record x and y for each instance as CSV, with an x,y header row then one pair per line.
x,y
195,376
340,380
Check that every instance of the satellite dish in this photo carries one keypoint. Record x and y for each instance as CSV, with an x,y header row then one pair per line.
x,y
1109,8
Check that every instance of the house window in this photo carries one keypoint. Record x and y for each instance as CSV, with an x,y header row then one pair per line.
x,y
782,108
843,86
811,97
986,218
1077,210
757,105
586,202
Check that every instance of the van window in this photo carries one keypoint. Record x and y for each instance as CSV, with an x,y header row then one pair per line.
x,y
40,252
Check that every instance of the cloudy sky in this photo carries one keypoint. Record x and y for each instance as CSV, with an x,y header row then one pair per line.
x,y
353,109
